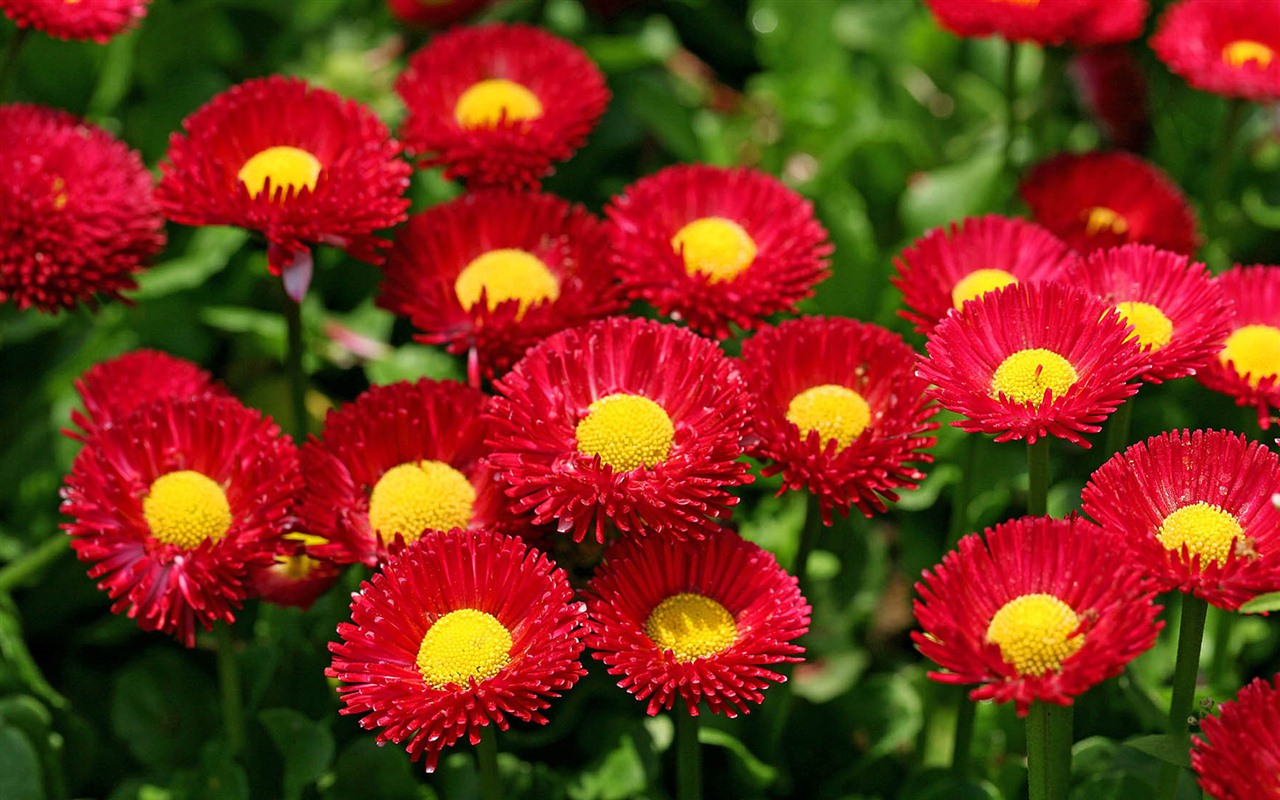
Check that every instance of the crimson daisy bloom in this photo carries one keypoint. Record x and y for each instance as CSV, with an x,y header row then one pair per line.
x,y
1034,609
948,266
455,633
1016,20
695,619
172,504
1237,755
1112,87
1029,361
435,13
497,104
626,421
115,388
839,411
1098,200
495,272
94,20
76,215
1195,511
1248,366
1109,22
713,246
1178,313
1227,47
297,575
297,163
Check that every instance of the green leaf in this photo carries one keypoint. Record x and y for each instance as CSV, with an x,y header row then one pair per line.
x,y
370,772
305,745
208,253
1262,604
1163,748
20,778
762,775
952,193
411,362
619,775
163,709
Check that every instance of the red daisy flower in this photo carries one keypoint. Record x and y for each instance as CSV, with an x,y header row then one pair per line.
x,y
495,272
95,20
173,503
1017,20
698,619
1227,47
455,633
1035,609
714,246
1178,313
1195,511
401,460
1098,200
1028,361
1109,22
298,575
435,13
496,104
116,388
626,421
1248,366
839,411
76,215
297,163
965,260
1237,757
1113,89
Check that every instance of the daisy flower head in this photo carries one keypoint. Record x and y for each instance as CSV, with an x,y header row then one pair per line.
x,y
623,421
695,620
435,13
77,219
1237,754
297,575
839,411
712,246
1015,20
1226,47
115,388
1194,511
298,164
1248,365
173,504
456,633
949,266
1029,361
1034,609
496,105
494,272
91,20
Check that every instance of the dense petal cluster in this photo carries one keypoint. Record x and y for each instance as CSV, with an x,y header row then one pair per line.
x,y
1237,754
1227,47
93,20
119,386
1046,23
1248,365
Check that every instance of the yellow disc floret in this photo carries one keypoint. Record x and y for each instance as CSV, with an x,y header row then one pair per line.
x,y
1101,219
186,508
627,431
1035,633
978,283
506,274
1024,376
1150,325
287,167
420,496
485,104
464,644
298,566
1255,352
835,412
716,247
1247,51
691,626
1204,528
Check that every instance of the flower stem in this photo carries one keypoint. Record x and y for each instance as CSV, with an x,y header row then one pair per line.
x,y
229,683
1223,159
1049,750
808,539
961,753
1011,102
9,64
294,369
487,766
964,490
32,564
1185,672
1118,427
1038,477
688,757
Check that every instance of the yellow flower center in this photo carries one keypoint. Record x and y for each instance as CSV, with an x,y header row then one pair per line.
x,y
1204,528
835,412
464,644
1024,376
506,274
1246,51
186,508
1034,633
487,103
691,626
978,283
715,247
1255,351
416,497
287,167
59,187
1150,326
1100,219
627,431
297,567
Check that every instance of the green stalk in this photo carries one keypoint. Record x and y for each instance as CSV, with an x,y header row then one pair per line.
x,y
1223,159
1049,738
32,564
9,65
1038,477
487,766
964,490
229,683
293,367
962,752
1187,668
1118,427
808,539
1011,101
688,757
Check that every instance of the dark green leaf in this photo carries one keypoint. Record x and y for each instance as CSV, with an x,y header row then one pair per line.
x,y
1262,604
1163,748
305,745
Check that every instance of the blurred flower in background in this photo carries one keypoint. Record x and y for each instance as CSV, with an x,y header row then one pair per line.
x,y
95,20
1227,47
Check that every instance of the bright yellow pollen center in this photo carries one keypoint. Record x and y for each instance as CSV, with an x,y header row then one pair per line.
x,y
1101,219
1255,352
627,431
186,508
416,497
715,247
464,644
487,103
1034,633
1245,51
1150,326
978,283
298,566
835,412
1205,529
503,275
287,167
1024,376
691,626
